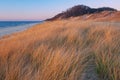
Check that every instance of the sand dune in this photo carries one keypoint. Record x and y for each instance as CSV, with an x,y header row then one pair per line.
x,y
62,50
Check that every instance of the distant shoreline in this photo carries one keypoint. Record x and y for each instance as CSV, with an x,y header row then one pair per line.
x,y
10,30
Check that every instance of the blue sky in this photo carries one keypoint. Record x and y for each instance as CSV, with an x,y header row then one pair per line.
x,y
42,9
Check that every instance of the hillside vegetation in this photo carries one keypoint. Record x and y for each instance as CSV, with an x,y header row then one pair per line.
x,y
85,12
62,50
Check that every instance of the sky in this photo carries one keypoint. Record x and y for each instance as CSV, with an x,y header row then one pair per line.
x,y
43,9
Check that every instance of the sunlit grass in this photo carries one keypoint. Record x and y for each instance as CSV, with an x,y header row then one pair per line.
x,y
61,50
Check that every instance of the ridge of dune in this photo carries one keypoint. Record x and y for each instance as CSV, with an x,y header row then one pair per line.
x,y
87,13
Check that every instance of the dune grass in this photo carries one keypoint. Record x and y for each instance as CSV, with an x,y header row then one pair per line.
x,y
61,50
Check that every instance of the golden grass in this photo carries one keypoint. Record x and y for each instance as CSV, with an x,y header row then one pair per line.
x,y
61,50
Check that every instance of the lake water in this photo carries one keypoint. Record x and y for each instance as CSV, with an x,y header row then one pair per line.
x,y
8,27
